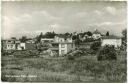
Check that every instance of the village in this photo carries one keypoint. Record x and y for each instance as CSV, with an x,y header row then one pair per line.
x,y
83,56
61,44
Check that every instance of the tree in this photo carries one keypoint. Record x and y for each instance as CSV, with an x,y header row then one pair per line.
x,y
95,46
38,38
49,35
67,34
23,39
124,33
107,34
75,37
41,35
108,52
89,33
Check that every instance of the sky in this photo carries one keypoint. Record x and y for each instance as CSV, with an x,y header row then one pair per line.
x,y
33,17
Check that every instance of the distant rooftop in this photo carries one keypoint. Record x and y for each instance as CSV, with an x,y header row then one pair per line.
x,y
111,37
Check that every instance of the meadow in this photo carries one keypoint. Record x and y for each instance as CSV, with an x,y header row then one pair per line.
x,y
61,69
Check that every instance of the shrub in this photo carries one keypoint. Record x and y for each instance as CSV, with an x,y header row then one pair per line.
x,y
108,52
95,46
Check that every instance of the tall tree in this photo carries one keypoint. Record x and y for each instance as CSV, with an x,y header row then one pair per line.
x,y
107,34
23,39
50,34
89,33
67,34
124,33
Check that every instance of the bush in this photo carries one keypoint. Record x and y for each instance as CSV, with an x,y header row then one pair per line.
x,y
108,52
95,46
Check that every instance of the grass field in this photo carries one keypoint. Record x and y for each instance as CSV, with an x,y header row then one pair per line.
x,y
85,68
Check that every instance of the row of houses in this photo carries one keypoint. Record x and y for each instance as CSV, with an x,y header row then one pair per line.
x,y
60,44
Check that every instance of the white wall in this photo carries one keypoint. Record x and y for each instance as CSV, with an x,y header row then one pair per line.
x,y
22,45
115,42
10,46
67,47
59,39
64,48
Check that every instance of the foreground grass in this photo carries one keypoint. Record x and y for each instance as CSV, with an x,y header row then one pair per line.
x,y
85,68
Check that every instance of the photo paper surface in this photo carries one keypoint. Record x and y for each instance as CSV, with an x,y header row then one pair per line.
x,y
64,41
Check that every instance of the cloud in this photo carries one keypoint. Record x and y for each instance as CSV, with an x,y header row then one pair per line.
x,y
111,10
43,17
98,12
108,23
80,14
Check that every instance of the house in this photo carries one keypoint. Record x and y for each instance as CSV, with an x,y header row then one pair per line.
x,y
61,48
10,44
54,50
43,40
111,40
62,38
61,45
96,34
66,47
30,46
27,46
22,46
86,36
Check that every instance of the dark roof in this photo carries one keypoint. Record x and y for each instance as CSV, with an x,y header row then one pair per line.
x,y
96,32
111,37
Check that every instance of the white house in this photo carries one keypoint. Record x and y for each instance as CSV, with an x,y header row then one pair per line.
x,y
111,40
22,45
62,38
9,44
96,34
66,47
62,45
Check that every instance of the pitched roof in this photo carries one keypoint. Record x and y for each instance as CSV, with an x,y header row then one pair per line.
x,y
111,37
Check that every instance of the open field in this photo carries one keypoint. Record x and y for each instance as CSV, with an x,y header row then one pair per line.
x,y
84,68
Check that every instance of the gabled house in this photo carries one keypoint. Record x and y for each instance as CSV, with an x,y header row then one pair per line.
x,y
111,40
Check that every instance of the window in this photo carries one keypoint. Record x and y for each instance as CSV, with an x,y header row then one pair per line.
x,y
62,45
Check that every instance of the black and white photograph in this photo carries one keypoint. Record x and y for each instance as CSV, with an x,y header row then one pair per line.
x,y
64,41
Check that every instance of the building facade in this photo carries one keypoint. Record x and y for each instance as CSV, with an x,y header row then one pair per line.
x,y
62,38
61,45
10,44
66,47
111,40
